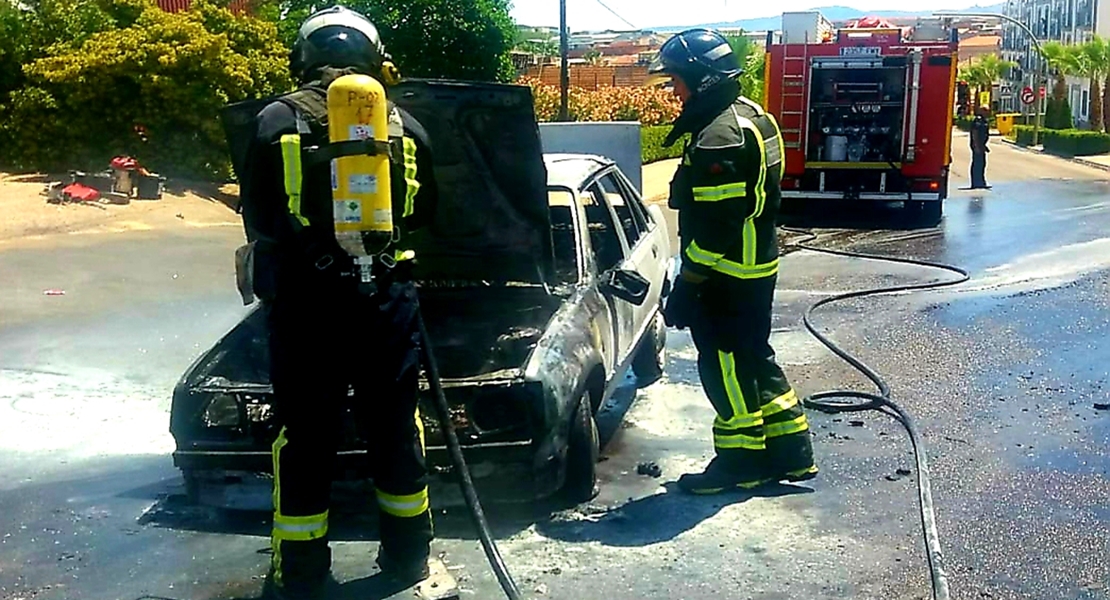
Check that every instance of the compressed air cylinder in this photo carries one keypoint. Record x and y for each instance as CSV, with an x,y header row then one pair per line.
x,y
363,208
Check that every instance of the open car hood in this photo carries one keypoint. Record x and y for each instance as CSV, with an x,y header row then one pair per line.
x,y
492,221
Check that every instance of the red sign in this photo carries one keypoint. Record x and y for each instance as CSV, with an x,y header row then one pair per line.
x,y
1027,95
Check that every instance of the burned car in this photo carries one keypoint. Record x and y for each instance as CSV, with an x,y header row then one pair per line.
x,y
540,281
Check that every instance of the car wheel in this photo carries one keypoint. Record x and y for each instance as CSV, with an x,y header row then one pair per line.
x,y
580,483
651,358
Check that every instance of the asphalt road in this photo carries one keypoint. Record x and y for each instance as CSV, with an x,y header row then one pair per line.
x,y
1001,373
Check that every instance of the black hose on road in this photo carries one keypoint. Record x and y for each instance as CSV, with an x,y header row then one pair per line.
x,y
881,402
465,482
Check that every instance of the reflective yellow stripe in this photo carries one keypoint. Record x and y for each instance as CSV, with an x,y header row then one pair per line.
x,y
739,440
412,186
739,271
420,429
749,241
739,421
720,192
782,146
401,255
300,529
790,427
275,541
291,165
784,402
732,384
412,505
702,257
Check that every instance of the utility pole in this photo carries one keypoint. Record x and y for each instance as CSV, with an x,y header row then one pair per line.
x,y
1040,78
564,67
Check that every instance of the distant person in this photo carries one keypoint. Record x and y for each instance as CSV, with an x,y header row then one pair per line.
x,y
980,135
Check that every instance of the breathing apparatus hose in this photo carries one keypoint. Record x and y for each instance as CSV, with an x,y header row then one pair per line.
x,y
466,483
881,402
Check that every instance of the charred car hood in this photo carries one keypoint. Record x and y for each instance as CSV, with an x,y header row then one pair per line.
x,y
491,221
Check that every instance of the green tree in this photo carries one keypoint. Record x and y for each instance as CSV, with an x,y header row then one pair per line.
x,y
1062,62
983,73
752,58
450,39
1092,60
168,73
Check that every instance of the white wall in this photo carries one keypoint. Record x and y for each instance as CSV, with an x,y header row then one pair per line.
x,y
1102,18
617,141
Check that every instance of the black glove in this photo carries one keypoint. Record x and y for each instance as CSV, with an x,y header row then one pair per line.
x,y
682,305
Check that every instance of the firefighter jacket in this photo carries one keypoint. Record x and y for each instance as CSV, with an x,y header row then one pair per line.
x,y
286,202
727,189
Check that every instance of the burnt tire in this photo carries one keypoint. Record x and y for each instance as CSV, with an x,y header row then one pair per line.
x,y
651,358
583,448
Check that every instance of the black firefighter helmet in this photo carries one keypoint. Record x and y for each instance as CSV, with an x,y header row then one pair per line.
x,y
337,37
703,59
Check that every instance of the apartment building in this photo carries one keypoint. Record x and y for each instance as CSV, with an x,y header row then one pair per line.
x,y
1066,21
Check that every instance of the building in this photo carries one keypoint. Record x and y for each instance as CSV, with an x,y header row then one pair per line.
x,y
976,46
1066,21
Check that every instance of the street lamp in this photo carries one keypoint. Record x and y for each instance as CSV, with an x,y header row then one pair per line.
x,y
1040,75
564,67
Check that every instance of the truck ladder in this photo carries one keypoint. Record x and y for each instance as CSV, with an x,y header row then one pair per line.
x,y
792,102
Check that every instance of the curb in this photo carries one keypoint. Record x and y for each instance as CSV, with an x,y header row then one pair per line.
x,y
1079,161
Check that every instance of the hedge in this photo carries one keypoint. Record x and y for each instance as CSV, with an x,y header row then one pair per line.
x,y
651,144
1074,142
1022,135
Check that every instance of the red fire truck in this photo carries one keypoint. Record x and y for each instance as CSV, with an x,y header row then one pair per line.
x,y
865,110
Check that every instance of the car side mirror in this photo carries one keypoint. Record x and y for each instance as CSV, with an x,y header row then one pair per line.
x,y
629,286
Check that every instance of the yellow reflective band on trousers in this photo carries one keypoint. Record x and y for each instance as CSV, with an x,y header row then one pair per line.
x,y
739,271
412,186
784,402
776,430
702,257
739,441
300,529
291,165
412,505
720,192
420,429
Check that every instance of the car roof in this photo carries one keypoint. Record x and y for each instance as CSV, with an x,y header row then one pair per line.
x,y
573,170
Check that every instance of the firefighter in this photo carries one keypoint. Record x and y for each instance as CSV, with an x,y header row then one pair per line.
x,y
329,329
980,134
727,193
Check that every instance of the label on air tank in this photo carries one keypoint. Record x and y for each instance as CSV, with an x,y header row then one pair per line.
x,y
348,211
360,132
382,217
362,184
334,175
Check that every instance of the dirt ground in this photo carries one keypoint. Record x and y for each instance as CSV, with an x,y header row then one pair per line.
x,y
27,215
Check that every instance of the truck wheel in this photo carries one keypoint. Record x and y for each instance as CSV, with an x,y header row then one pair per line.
x,y
651,358
580,484
932,212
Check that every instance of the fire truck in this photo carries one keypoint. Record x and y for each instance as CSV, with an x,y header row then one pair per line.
x,y
865,110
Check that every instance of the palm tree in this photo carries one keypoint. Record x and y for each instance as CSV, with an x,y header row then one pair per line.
x,y
1092,58
1062,62
983,73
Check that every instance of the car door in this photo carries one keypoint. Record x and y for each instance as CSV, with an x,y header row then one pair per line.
x,y
646,255
610,253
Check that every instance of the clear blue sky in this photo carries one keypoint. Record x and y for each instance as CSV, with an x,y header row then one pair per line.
x,y
589,14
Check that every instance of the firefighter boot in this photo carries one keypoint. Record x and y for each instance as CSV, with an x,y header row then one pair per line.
x,y
720,476
403,571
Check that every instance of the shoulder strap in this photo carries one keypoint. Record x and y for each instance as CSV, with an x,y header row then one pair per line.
x,y
311,107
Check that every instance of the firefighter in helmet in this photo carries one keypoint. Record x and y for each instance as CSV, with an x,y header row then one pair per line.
x,y
727,193
329,331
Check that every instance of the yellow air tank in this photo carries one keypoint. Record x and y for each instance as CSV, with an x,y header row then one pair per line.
x,y
363,207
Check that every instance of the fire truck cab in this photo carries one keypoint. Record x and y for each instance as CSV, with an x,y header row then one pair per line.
x,y
865,110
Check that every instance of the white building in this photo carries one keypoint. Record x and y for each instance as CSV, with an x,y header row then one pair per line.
x,y
1066,21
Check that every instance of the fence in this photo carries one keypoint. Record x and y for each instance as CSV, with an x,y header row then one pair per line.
x,y
592,77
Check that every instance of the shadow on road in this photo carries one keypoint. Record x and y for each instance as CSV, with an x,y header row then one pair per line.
x,y
841,214
652,519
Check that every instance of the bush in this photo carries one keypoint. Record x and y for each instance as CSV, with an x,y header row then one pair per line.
x,y
651,144
1074,142
1058,114
1022,135
649,106
151,86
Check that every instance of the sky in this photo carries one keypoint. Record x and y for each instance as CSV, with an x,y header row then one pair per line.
x,y
590,15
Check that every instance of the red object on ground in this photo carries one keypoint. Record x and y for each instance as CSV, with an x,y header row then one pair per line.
x,y
80,192
125,163
54,292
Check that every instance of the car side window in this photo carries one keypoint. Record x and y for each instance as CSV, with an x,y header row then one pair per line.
x,y
631,221
604,238
636,204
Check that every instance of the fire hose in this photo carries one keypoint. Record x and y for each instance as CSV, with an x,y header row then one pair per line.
x,y
881,402
466,483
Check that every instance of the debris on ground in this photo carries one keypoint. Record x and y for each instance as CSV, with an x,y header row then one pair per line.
x,y
541,589
651,469
53,292
1102,406
856,423
123,180
899,475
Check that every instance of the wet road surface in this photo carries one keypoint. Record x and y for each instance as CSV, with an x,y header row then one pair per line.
x,y
1001,373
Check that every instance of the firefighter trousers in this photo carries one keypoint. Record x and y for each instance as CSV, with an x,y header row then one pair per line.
x,y
324,337
760,430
